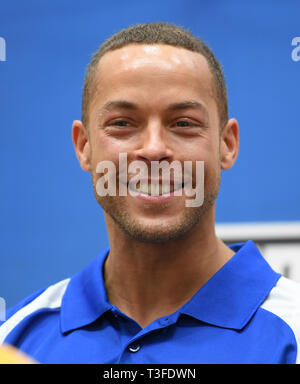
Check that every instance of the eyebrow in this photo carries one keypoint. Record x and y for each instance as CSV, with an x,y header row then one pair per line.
x,y
188,104
118,104
124,104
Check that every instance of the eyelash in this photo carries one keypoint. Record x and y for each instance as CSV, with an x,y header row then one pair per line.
x,y
187,123
115,123
190,123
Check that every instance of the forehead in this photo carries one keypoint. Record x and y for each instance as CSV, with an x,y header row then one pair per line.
x,y
153,76
170,57
146,62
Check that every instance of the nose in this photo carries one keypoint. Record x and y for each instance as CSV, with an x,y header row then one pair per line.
x,y
154,145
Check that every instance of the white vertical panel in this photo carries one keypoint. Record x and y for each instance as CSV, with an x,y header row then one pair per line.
x,y
284,258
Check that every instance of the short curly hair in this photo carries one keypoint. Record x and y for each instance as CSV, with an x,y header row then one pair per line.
x,y
157,33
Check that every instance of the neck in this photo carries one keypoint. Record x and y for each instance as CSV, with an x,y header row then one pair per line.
x,y
147,281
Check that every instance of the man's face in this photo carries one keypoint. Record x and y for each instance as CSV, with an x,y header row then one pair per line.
x,y
154,103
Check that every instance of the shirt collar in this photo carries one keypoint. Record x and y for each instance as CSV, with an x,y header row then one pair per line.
x,y
232,296
229,299
85,298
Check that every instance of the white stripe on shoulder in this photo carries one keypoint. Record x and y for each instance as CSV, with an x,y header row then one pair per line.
x,y
284,301
50,298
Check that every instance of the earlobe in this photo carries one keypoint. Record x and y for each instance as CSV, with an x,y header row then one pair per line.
x,y
229,144
81,143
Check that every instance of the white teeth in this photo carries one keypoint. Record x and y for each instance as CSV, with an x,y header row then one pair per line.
x,y
166,189
143,188
155,189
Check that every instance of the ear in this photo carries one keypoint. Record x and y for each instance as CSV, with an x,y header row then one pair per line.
x,y
229,144
81,143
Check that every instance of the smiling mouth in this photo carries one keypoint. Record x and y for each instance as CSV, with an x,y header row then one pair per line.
x,y
155,189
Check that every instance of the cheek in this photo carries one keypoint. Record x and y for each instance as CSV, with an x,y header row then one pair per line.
x,y
212,164
109,146
103,148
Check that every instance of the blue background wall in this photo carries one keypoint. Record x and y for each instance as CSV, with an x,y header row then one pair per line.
x,y
50,224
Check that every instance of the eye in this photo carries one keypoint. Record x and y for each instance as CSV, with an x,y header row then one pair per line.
x,y
187,127
186,123
120,128
119,123
183,123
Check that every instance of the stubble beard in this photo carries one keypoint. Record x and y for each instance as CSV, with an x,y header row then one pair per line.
x,y
116,208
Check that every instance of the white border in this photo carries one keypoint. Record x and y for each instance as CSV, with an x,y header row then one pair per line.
x,y
260,231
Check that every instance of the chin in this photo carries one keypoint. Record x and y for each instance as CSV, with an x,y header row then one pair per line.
x,y
160,231
152,236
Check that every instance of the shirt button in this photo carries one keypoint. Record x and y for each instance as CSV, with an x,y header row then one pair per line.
x,y
134,348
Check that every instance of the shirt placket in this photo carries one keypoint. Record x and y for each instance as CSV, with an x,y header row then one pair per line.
x,y
134,348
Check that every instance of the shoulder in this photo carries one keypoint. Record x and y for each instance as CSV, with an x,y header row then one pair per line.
x,y
284,302
284,298
48,298
12,310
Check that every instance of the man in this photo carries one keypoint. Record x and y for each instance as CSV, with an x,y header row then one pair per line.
x,y
168,290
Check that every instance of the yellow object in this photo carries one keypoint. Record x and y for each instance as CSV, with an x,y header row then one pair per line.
x,y
11,355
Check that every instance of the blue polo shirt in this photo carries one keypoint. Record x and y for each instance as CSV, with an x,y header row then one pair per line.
x,y
246,313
